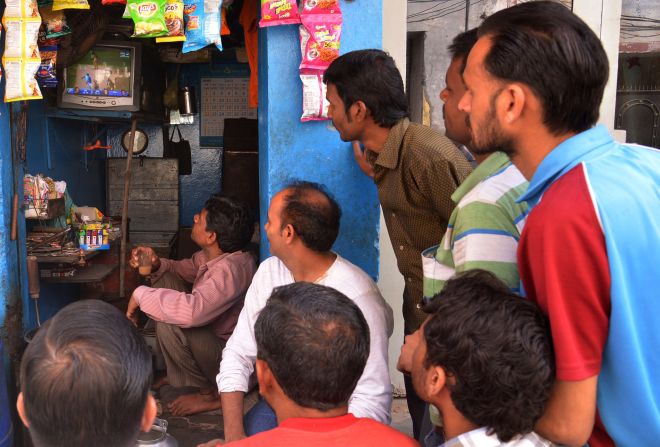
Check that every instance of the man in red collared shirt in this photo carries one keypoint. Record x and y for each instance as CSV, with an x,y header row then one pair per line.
x,y
193,328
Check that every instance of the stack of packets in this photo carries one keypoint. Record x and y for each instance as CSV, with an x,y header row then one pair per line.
x,y
37,190
53,28
21,59
197,23
320,36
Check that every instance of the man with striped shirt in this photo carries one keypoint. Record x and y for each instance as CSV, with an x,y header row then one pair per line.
x,y
484,228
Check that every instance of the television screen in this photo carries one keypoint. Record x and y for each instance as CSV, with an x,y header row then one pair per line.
x,y
102,72
105,78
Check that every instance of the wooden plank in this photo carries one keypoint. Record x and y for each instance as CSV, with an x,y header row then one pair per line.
x,y
149,216
151,173
163,194
90,273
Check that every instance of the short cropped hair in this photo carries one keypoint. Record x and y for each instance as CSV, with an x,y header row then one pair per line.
x,y
370,76
85,378
315,341
231,220
497,347
462,44
545,46
313,213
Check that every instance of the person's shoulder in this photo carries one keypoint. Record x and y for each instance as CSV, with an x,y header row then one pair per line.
x,y
428,146
507,183
272,272
343,274
384,434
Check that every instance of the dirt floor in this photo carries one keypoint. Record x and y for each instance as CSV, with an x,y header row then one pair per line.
x,y
190,431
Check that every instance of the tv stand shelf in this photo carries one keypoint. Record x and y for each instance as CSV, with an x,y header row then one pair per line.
x,y
100,116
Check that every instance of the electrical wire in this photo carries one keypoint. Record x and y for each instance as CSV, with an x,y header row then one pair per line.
x,y
448,10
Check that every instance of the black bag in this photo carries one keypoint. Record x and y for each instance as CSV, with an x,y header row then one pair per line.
x,y
179,150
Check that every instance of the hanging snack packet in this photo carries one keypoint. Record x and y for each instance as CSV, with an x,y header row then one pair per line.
x,y
70,4
113,2
319,7
21,37
278,12
174,22
224,28
149,17
46,76
202,28
322,45
21,84
315,105
21,8
55,22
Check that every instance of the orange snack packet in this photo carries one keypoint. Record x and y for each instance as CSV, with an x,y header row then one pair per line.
x,y
320,37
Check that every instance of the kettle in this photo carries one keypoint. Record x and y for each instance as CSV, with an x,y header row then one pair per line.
x,y
157,436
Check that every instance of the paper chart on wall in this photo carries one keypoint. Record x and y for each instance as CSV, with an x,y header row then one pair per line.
x,y
222,98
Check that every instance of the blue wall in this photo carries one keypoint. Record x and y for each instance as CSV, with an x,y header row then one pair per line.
x,y
313,151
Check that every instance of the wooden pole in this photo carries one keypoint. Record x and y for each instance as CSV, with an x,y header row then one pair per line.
x,y
124,210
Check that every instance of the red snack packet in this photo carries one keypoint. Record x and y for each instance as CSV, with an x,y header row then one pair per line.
x,y
319,40
278,12
224,28
320,7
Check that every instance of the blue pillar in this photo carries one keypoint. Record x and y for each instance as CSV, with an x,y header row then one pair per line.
x,y
289,149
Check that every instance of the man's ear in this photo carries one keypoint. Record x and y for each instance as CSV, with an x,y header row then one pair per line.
x,y
288,232
264,376
149,415
359,111
436,379
512,102
20,406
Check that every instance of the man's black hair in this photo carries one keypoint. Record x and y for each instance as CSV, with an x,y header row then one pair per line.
x,y
461,45
370,76
85,378
313,213
547,47
315,341
497,348
231,221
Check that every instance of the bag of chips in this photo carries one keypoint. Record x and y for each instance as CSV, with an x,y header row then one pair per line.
x,y
320,40
54,21
46,76
113,2
224,28
279,12
174,22
70,4
21,37
149,17
21,84
315,104
21,8
202,28
319,7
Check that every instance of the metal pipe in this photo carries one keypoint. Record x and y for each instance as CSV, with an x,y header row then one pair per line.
x,y
124,212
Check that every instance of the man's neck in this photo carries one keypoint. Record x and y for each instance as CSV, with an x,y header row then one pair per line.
x,y
289,410
309,265
374,137
212,251
454,423
533,147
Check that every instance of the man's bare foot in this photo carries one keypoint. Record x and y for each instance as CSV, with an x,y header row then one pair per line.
x,y
194,403
159,383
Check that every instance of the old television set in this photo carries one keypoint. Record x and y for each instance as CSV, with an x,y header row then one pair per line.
x,y
118,76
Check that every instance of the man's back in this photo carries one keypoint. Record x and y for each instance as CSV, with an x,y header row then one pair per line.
x,y
373,394
602,238
345,431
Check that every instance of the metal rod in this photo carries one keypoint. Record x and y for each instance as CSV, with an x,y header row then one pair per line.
x,y
124,212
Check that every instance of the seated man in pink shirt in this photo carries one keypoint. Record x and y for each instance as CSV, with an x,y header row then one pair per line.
x,y
312,346
193,328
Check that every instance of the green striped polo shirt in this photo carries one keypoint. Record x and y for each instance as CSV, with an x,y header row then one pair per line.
x,y
483,229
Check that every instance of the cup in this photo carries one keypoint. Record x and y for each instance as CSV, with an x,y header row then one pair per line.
x,y
144,262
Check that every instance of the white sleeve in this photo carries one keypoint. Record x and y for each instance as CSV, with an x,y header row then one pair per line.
x,y
240,353
372,397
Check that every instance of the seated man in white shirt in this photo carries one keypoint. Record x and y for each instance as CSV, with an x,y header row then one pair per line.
x,y
303,223
484,359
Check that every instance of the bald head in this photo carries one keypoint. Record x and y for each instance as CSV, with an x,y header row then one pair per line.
x,y
313,214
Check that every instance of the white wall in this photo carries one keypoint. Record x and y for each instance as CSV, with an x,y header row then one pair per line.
x,y
390,280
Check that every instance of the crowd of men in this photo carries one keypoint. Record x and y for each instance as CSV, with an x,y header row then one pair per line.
x,y
530,306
